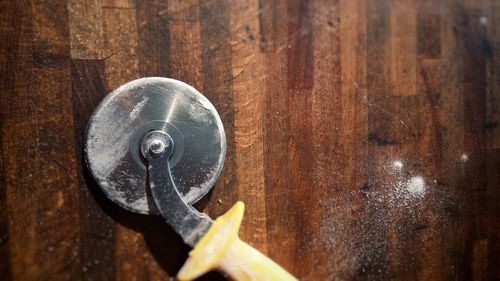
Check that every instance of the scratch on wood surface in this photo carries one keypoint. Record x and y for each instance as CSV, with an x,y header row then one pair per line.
x,y
121,44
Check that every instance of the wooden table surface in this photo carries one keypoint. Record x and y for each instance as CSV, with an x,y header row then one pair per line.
x,y
363,136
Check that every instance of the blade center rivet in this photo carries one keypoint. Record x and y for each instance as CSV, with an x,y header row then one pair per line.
x,y
156,146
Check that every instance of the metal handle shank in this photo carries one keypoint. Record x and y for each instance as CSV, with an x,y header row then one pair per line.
x,y
157,147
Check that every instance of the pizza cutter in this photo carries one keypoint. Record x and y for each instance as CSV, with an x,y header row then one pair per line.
x,y
156,146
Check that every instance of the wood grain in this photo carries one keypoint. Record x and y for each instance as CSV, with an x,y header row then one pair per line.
x,y
247,72
363,136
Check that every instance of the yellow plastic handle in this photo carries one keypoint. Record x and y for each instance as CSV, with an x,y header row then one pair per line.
x,y
222,249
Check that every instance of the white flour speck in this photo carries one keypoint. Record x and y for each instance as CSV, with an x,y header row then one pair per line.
x,y
483,20
206,103
397,165
464,157
140,204
415,186
195,192
138,108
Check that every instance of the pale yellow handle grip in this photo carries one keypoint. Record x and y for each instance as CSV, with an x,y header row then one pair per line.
x,y
244,263
222,249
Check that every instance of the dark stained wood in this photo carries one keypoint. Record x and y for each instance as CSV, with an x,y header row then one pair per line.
x,y
153,38
98,235
275,135
248,93
363,136
38,143
300,44
215,41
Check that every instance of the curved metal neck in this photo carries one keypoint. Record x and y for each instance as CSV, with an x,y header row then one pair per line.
x,y
157,147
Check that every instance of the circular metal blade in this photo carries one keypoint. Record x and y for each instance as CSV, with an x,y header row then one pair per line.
x,y
120,121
